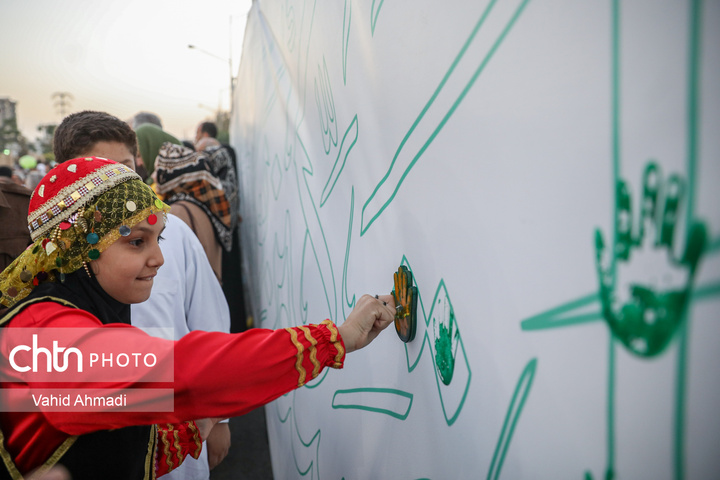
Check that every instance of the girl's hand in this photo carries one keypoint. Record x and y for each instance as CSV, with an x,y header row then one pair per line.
x,y
369,317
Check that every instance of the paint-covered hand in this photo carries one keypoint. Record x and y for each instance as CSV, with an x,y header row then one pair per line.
x,y
644,282
405,295
369,317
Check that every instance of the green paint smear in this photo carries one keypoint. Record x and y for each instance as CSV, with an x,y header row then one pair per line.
x,y
444,358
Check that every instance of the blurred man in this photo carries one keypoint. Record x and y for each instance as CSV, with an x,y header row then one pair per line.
x,y
145,117
206,136
14,201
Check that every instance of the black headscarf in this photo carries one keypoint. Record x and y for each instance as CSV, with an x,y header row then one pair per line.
x,y
84,291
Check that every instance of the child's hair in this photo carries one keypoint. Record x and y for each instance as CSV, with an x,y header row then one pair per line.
x,y
79,132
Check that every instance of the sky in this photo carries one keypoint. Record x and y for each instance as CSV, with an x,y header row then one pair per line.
x,y
120,57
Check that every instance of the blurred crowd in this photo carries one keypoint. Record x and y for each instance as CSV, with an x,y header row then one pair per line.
x,y
27,171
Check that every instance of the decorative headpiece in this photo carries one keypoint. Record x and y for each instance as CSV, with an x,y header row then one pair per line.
x,y
77,210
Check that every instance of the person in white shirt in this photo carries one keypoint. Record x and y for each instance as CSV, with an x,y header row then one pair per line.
x,y
187,294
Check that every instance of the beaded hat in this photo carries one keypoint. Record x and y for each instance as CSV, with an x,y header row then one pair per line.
x,y
78,210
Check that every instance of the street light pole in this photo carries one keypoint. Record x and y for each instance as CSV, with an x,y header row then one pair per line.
x,y
229,60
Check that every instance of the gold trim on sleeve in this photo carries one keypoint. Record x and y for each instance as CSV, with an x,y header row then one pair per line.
x,y
334,334
196,437
166,449
313,351
298,356
176,444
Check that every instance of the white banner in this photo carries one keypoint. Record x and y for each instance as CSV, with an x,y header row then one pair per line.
x,y
548,171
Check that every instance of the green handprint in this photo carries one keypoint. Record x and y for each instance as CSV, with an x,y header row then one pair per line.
x,y
446,338
647,319
405,294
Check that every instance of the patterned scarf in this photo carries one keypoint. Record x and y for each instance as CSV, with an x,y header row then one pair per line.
x,y
222,161
183,174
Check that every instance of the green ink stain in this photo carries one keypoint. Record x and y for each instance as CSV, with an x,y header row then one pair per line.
x,y
444,358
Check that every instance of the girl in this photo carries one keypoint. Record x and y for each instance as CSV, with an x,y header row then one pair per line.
x,y
96,228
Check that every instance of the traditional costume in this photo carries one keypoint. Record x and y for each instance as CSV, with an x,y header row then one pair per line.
x,y
77,211
189,183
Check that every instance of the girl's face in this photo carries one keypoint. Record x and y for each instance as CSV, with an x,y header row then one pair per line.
x,y
125,270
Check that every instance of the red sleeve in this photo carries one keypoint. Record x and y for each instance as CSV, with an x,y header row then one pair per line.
x,y
215,374
241,372
174,443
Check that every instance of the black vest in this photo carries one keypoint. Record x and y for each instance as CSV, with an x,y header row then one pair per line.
x,y
121,454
